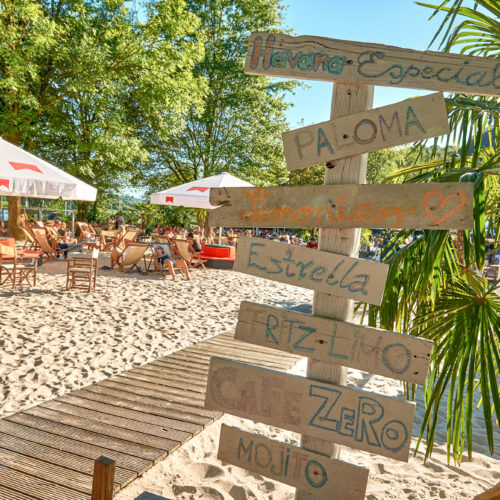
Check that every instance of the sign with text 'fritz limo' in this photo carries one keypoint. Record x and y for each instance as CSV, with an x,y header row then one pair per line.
x,y
356,279
407,121
362,420
329,59
320,475
391,354
438,205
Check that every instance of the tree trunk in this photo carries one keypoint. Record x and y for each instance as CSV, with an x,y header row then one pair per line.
x,y
82,208
15,217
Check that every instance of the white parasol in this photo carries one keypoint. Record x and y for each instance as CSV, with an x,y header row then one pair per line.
x,y
24,174
196,194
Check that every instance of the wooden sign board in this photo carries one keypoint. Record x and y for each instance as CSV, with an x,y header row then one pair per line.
x,y
391,354
320,475
335,413
438,205
407,121
329,59
356,279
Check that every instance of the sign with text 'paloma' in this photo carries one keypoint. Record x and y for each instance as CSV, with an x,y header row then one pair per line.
x,y
359,419
320,475
391,354
356,279
329,59
407,121
439,205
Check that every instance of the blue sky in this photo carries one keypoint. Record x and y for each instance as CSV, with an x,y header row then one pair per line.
x,y
391,22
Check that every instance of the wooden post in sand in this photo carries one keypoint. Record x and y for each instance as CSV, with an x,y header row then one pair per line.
x,y
346,99
103,479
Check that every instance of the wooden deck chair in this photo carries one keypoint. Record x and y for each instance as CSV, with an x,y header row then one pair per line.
x,y
53,234
129,256
88,237
29,243
191,260
82,271
14,270
109,237
49,249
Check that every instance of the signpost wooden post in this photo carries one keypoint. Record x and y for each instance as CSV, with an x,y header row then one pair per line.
x,y
319,406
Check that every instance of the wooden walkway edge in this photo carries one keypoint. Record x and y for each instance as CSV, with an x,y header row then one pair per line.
x,y
136,418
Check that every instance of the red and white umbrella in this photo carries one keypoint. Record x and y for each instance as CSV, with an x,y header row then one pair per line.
x,y
196,194
24,174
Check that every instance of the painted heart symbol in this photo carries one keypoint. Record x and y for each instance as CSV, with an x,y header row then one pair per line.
x,y
443,203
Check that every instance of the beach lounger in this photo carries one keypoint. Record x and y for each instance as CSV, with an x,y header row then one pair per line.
x,y
192,260
14,270
92,241
82,271
49,249
129,256
30,243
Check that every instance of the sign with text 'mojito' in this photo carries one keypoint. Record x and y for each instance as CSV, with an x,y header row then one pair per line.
x,y
407,121
326,272
359,419
329,59
391,354
437,205
318,474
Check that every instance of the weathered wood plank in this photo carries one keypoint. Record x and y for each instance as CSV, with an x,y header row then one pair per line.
x,y
326,272
437,205
312,472
23,432
8,494
391,354
401,123
359,419
329,59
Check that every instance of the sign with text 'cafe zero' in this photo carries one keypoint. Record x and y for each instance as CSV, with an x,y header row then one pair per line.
x,y
326,272
329,59
382,352
317,474
359,419
440,205
406,121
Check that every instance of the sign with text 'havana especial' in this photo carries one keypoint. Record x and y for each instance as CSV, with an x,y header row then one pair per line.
x,y
329,59
406,121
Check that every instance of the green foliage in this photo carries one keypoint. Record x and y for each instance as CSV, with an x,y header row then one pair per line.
x,y
434,287
238,128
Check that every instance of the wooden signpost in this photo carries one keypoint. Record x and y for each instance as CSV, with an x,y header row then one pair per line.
x,y
440,205
401,357
319,406
360,419
315,473
356,279
328,59
407,121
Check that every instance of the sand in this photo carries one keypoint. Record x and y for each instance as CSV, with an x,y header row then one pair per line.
x,y
53,341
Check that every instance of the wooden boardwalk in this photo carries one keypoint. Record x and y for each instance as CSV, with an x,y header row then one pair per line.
x,y
136,418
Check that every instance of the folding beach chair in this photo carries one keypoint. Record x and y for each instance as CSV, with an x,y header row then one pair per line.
x,y
49,249
191,260
30,243
14,270
129,256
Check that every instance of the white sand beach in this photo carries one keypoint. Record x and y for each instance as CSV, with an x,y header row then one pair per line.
x,y
53,341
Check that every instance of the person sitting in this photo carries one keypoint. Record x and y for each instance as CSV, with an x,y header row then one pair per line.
x,y
64,240
90,235
312,243
164,261
194,246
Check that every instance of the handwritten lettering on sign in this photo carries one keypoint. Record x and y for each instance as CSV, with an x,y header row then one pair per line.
x,y
407,121
329,59
358,419
402,357
357,279
312,472
446,205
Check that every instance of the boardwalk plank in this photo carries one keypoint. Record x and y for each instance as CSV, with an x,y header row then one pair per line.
x,y
8,494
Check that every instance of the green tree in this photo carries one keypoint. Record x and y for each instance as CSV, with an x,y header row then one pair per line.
x,y
88,69
239,127
434,287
